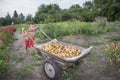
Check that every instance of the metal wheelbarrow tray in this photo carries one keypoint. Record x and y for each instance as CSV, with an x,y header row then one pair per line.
x,y
53,65
63,61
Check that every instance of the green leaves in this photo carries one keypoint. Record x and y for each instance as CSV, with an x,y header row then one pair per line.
x,y
61,29
112,50
6,37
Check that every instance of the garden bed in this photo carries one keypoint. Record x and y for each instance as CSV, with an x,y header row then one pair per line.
x,y
6,38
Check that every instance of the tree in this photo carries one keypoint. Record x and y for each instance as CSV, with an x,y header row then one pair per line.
x,y
39,18
114,12
29,18
15,15
108,8
88,5
54,9
46,13
88,13
87,16
15,18
75,11
3,21
91,9
8,19
22,18
66,15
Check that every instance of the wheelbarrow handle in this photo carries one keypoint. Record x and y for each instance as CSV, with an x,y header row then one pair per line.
x,y
45,34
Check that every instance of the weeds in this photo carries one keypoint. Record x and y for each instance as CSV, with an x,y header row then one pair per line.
x,y
37,61
16,58
68,73
96,43
115,38
113,52
58,30
6,38
22,73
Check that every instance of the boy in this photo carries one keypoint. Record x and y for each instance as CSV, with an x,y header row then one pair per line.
x,y
29,37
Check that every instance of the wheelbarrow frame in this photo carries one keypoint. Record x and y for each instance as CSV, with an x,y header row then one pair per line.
x,y
53,64
64,63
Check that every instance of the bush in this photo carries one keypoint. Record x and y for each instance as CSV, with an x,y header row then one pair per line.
x,y
3,68
112,50
4,58
101,21
19,27
60,29
3,62
55,30
6,37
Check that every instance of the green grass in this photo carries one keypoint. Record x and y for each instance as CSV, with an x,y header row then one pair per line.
x,y
22,73
114,38
60,29
68,73
4,48
16,58
96,43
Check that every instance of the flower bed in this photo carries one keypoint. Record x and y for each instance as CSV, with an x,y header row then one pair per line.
x,y
6,37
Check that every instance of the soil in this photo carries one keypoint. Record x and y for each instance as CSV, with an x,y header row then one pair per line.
x,y
95,66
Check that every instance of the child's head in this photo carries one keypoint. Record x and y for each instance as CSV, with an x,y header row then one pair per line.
x,y
31,23
31,26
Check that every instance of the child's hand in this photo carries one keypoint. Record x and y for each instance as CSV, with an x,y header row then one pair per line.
x,y
23,29
25,32
37,27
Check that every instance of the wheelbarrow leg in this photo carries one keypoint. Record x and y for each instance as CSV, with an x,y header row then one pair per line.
x,y
38,53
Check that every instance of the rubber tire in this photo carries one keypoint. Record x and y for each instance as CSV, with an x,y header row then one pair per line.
x,y
57,69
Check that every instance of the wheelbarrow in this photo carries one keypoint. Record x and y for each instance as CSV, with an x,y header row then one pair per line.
x,y
53,65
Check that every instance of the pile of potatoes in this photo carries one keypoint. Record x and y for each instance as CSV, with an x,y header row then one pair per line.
x,y
60,50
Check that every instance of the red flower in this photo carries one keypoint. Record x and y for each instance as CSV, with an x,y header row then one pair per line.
x,y
8,29
12,34
7,56
2,40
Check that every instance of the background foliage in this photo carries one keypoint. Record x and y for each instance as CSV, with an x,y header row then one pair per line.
x,y
53,13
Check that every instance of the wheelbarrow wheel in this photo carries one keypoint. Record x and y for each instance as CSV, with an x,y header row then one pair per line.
x,y
51,69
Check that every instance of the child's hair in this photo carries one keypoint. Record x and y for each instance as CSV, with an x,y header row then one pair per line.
x,y
30,23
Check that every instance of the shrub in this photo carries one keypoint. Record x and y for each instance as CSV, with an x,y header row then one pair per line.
x,y
3,68
6,37
55,30
3,62
112,50
101,21
60,29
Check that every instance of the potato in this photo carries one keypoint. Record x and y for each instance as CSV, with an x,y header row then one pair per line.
x,y
60,50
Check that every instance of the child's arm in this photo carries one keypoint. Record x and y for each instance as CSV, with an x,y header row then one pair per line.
x,y
23,32
36,28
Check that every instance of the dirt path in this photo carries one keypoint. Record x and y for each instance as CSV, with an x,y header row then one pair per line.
x,y
94,67
24,66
